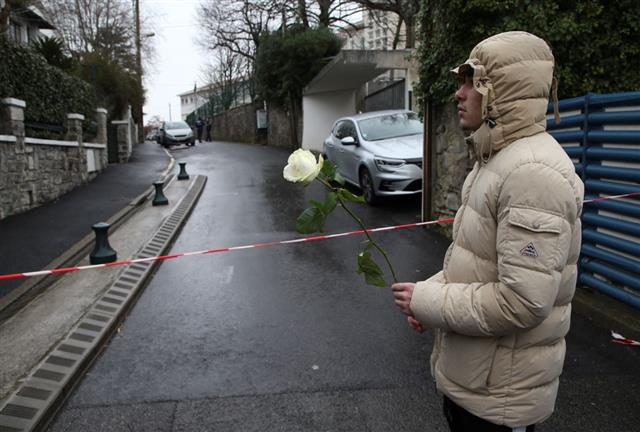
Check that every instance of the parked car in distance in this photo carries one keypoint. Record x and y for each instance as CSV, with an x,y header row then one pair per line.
x,y
380,152
153,135
175,132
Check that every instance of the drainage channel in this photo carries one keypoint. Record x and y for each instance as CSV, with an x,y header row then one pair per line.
x,y
42,393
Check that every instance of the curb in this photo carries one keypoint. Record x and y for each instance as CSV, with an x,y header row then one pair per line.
x,y
34,404
24,293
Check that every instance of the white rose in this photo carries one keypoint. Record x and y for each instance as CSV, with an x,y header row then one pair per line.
x,y
302,167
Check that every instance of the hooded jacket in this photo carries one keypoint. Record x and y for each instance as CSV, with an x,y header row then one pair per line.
x,y
501,305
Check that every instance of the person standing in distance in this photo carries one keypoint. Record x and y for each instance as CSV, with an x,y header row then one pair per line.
x,y
500,308
209,126
199,127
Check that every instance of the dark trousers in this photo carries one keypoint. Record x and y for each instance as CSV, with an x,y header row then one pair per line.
x,y
461,420
199,134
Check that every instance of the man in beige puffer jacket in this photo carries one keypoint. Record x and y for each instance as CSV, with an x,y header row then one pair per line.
x,y
501,305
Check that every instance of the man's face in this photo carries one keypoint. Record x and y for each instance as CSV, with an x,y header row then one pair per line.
x,y
469,104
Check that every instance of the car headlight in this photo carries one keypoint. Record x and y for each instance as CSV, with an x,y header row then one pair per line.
x,y
389,165
189,134
169,135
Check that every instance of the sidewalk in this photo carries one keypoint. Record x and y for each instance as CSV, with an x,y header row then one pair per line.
x,y
49,343
32,240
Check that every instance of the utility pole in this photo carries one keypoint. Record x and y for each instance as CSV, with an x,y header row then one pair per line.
x,y
139,72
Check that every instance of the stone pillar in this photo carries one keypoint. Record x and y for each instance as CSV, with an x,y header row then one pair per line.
x,y
13,160
12,118
74,133
101,136
124,140
101,120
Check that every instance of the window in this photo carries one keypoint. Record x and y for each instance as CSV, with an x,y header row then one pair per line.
x,y
14,31
390,126
350,130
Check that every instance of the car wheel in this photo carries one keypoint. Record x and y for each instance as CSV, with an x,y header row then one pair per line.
x,y
366,184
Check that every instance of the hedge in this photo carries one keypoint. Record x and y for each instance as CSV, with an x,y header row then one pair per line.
x,y
50,93
595,42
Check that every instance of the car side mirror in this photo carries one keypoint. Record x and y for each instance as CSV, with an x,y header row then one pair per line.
x,y
348,141
161,129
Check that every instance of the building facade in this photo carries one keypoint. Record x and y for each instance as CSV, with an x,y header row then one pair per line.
x,y
376,31
26,24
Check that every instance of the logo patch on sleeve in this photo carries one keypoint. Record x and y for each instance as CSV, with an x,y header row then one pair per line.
x,y
529,251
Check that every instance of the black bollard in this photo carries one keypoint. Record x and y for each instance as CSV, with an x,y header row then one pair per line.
x,y
102,252
159,199
183,171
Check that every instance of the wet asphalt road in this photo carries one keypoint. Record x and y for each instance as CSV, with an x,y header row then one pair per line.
x,y
289,338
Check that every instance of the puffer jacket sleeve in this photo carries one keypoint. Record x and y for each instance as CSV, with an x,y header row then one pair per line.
x,y
536,211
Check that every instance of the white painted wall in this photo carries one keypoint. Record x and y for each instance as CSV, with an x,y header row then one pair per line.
x,y
320,111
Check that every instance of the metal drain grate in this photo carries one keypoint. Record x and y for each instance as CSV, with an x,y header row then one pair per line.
x,y
42,393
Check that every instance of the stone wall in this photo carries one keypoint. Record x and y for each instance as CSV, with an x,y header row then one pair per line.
x,y
37,171
280,126
451,164
240,125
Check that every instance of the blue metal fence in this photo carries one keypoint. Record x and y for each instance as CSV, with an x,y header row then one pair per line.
x,y
601,133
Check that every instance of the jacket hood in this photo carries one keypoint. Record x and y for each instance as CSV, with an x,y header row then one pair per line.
x,y
514,72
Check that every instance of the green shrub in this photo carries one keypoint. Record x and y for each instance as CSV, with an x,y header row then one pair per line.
x,y
50,93
115,87
595,42
286,64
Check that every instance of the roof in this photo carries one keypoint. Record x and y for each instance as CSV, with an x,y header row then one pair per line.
x,y
34,17
198,90
349,69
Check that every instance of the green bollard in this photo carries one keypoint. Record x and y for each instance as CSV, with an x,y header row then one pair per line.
x,y
159,199
102,252
183,171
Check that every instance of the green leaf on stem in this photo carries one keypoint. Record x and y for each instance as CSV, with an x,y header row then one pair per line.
x,y
348,196
339,179
330,202
328,169
372,273
311,220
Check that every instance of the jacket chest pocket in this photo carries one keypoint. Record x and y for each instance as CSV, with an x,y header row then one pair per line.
x,y
530,238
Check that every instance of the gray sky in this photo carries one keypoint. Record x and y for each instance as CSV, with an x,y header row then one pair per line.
x,y
179,60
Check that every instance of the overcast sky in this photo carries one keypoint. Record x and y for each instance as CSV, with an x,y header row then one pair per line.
x,y
178,61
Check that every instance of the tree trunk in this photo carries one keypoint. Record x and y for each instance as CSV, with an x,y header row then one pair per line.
x,y
409,23
324,19
302,12
293,122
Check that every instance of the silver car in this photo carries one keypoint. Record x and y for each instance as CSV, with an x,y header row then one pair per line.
x,y
381,152
175,132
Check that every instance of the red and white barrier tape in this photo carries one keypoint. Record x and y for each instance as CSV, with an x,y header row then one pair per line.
x,y
257,245
619,339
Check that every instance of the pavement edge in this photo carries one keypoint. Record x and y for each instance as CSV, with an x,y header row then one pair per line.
x,y
31,288
34,404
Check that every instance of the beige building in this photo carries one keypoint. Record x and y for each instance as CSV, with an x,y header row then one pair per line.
x,y
376,31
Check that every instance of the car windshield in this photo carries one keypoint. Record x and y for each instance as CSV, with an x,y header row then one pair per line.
x,y
176,125
390,126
